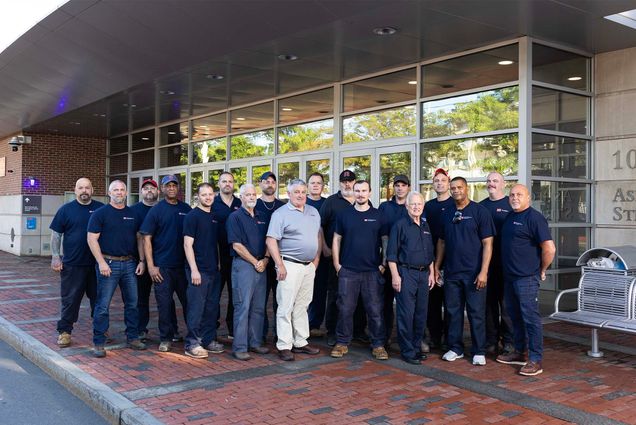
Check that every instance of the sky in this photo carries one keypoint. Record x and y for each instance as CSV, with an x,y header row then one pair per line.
x,y
19,16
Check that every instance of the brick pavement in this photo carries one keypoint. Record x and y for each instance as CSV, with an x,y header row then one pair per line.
x,y
320,390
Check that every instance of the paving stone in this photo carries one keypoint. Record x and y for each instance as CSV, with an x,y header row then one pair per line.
x,y
174,407
322,410
201,416
617,394
298,391
511,413
378,420
418,421
398,397
360,412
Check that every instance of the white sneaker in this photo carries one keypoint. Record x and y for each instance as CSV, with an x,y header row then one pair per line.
x,y
479,360
451,356
197,352
164,346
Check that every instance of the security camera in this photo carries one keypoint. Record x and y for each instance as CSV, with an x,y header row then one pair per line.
x,y
14,142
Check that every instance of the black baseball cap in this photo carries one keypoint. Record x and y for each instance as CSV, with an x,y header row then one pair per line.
x,y
268,174
401,178
347,176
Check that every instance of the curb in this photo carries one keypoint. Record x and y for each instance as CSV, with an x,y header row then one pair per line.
x,y
114,407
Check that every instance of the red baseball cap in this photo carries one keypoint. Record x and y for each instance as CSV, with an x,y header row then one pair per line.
x,y
440,171
150,181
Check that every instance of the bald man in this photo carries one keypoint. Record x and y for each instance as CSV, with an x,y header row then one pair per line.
x,y
77,265
527,250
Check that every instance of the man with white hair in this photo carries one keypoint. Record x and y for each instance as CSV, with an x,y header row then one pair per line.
x,y
294,239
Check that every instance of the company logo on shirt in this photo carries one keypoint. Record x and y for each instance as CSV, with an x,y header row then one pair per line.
x,y
425,232
182,213
516,223
214,221
370,219
260,222
502,210
129,218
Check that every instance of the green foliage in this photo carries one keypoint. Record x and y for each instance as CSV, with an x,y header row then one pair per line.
x,y
380,125
306,137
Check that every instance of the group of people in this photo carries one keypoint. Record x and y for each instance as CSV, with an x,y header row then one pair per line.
x,y
337,260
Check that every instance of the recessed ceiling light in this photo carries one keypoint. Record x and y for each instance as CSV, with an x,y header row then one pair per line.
x,y
575,78
413,82
74,122
133,106
381,31
286,109
167,92
240,119
172,132
145,138
287,57
214,76
505,62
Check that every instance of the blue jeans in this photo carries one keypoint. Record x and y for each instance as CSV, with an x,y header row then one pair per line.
x,y
122,275
174,280
370,285
411,308
203,309
460,294
522,302
75,281
248,294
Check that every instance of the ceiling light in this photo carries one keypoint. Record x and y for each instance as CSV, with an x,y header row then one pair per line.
x,y
627,18
575,78
286,109
240,119
145,138
505,62
288,57
381,31
413,82
167,92
172,132
74,122
214,76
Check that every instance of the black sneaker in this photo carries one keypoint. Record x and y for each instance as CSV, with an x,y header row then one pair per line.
x,y
331,340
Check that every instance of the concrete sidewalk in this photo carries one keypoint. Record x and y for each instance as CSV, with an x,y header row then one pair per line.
x,y
151,387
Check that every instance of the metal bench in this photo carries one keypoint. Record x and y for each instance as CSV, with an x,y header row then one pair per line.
x,y
606,297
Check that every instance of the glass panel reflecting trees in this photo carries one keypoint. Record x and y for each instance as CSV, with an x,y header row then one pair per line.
x,y
391,165
306,137
387,124
260,143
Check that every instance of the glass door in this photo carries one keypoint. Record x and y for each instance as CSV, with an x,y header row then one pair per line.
x,y
249,172
134,186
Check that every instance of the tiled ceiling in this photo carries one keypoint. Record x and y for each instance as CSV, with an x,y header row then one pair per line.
x,y
104,67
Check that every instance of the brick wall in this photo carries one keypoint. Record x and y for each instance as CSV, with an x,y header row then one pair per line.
x,y
57,161
10,183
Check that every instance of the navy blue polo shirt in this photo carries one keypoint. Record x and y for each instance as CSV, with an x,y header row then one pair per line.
x,y
433,211
329,212
222,211
267,208
203,227
393,211
118,230
463,248
165,223
316,204
248,231
361,238
72,220
499,210
141,210
521,237
410,244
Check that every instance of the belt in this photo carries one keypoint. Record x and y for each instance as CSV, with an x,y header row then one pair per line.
x,y
293,260
115,258
418,268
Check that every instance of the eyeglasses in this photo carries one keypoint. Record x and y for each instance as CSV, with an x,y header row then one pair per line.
x,y
458,217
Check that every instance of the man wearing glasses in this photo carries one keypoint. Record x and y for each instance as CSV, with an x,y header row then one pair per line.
x,y
467,236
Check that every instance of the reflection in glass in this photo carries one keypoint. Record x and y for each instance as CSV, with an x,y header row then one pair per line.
x,y
173,155
143,160
182,184
257,116
143,140
196,178
555,110
472,113
306,137
212,126
174,133
260,143
209,151
118,145
360,165
476,190
287,171
561,201
480,69
321,166
391,165
473,157
555,156
240,177
257,172
559,67
382,90
567,281
213,178
143,117
570,243
306,106
379,125
134,185
118,164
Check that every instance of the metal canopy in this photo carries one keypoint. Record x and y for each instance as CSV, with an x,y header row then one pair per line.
x,y
93,64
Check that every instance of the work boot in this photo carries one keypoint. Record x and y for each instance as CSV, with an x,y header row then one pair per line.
x,y
64,340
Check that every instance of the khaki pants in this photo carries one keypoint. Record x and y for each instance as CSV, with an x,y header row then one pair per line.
x,y
294,295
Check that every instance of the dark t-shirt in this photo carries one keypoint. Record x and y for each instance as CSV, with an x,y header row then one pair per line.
x,y
118,230
141,210
222,212
361,238
393,211
499,210
329,212
165,223
316,204
521,238
204,228
248,231
463,249
410,244
72,220
267,208
433,211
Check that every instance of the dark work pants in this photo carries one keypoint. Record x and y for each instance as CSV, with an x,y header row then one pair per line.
x,y
370,286
272,283
498,323
435,316
389,296
174,280
331,316
75,282
203,309
411,309
144,287
460,294
249,298
522,301
226,282
316,311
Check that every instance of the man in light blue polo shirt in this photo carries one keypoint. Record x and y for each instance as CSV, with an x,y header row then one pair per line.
x,y
294,240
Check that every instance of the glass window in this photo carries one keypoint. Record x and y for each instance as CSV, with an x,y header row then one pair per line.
x,y
143,140
559,67
196,178
473,157
143,160
173,155
112,179
142,117
287,171
209,151
306,106
256,116
468,72
213,177
391,165
473,113
555,156
568,281
476,190
257,172
240,177
322,166
212,126
118,164
387,124
134,185
360,165
555,110
561,201
118,145
306,137
174,133
182,184
386,89
570,243
260,143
